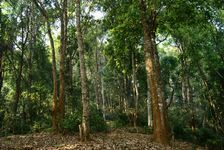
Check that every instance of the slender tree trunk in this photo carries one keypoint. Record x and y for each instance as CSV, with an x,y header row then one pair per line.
x,y
184,77
1,48
55,90
102,60
63,19
18,86
54,73
97,81
149,107
135,89
103,98
20,70
161,130
1,69
84,128
125,93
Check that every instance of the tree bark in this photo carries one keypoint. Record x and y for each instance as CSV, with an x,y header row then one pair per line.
x,y
98,80
1,69
24,37
85,98
63,19
54,74
18,85
161,130
103,98
135,89
1,50
149,106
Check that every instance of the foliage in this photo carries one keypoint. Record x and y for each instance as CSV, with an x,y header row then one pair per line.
x,y
97,123
71,122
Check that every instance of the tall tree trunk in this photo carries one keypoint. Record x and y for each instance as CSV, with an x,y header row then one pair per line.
x,y
149,106
103,98
102,60
1,69
18,85
185,91
63,18
161,130
1,49
98,80
20,69
84,128
135,89
55,90
54,73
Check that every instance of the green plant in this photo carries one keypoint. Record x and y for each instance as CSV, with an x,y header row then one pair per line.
x,y
97,123
71,122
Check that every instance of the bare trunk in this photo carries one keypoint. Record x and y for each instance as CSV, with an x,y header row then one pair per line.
x,y
2,47
55,90
103,98
97,81
125,100
85,99
149,107
18,87
135,89
63,18
1,51
184,77
1,69
19,75
161,131
54,73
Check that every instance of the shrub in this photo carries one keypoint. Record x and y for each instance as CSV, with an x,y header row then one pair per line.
x,y
209,137
97,123
122,119
71,122
142,119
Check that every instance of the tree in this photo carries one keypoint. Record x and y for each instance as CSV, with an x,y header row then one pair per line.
x,y
55,91
64,22
84,127
160,125
3,45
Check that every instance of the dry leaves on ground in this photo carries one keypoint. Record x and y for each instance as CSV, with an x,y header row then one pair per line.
x,y
116,140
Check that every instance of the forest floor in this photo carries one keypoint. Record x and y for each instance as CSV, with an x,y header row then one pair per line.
x,y
118,139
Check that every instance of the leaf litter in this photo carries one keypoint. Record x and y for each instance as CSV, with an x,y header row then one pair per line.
x,y
118,139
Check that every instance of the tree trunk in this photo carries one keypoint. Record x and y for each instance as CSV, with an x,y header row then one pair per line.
x,y
54,73
18,86
1,69
63,19
1,50
103,98
149,107
20,70
135,90
185,92
161,130
85,98
97,81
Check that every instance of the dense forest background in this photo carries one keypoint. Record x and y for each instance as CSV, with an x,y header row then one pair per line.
x,y
89,66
